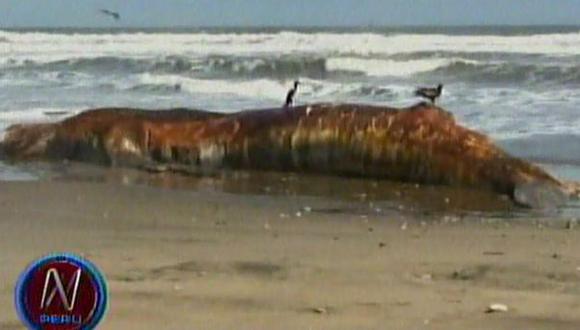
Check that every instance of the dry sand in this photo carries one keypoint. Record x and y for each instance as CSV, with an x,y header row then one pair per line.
x,y
199,259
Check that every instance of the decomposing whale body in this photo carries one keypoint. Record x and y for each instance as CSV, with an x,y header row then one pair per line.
x,y
420,144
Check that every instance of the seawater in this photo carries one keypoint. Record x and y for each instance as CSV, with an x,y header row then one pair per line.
x,y
520,85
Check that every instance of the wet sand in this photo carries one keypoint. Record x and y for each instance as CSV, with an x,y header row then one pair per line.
x,y
181,258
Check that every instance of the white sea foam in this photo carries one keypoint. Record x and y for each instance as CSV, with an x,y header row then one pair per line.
x,y
259,88
385,67
44,47
492,83
309,90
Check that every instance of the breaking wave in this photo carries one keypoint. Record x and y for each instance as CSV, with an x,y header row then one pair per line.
x,y
551,57
508,73
57,46
289,67
504,84
230,66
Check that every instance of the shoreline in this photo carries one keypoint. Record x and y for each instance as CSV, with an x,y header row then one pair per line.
x,y
187,245
182,258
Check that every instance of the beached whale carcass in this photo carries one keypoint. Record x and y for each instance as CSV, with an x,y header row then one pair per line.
x,y
421,144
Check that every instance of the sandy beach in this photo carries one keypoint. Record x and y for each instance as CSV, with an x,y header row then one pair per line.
x,y
178,257
316,165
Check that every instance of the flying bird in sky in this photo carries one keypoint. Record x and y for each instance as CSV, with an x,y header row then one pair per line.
x,y
112,14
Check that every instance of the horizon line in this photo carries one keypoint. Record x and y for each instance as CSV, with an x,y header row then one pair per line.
x,y
567,25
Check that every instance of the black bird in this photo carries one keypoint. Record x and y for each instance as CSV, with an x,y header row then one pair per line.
x,y
113,14
430,93
291,94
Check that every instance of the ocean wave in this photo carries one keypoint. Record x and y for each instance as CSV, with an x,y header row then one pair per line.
x,y
259,88
273,85
285,55
41,79
291,67
508,73
387,67
310,89
107,64
280,67
50,47
377,93
223,66
276,67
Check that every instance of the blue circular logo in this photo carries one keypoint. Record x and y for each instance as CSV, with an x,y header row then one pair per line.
x,y
61,292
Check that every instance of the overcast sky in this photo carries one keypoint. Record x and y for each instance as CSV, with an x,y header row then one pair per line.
x,y
167,13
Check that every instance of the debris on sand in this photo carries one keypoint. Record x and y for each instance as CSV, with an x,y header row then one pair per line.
x,y
493,253
427,278
319,310
497,308
404,226
470,273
